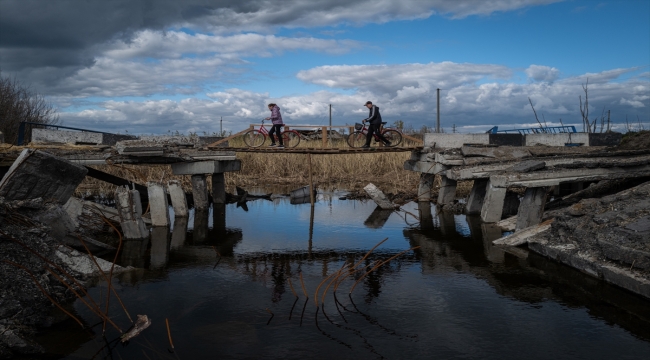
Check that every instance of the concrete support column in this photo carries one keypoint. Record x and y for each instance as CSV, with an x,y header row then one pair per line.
x,y
476,197
531,208
219,188
447,223
447,193
219,216
158,206
179,200
493,203
200,231
426,184
129,208
200,191
179,233
510,205
426,217
159,252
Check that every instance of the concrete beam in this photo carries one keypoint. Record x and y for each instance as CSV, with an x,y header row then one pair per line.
x,y
178,197
531,208
218,188
37,174
553,177
447,192
476,197
557,139
424,167
501,152
205,167
378,197
493,203
200,191
40,136
425,187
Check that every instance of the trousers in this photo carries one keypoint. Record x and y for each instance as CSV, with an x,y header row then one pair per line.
x,y
276,129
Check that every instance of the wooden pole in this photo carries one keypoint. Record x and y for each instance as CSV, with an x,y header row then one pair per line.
x,y
311,182
324,136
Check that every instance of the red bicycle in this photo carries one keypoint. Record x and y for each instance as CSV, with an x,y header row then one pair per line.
x,y
256,138
358,138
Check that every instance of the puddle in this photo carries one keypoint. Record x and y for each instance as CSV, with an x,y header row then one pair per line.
x,y
225,280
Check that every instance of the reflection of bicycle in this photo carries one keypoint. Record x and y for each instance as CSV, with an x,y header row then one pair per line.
x,y
256,138
358,137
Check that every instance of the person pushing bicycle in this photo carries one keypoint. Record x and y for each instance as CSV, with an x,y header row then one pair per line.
x,y
276,119
374,119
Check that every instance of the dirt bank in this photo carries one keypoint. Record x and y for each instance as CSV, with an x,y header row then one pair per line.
x,y
23,307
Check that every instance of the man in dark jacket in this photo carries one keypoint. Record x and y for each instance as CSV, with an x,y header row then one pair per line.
x,y
374,119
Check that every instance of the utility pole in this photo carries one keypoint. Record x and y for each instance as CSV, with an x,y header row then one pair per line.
x,y
453,128
221,126
330,117
438,110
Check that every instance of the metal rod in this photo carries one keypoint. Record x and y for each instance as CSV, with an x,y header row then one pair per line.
x,y
311,182
438,111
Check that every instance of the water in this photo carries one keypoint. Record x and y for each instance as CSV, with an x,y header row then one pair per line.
x,y
454,297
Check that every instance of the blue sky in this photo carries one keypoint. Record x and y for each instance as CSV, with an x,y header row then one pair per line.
x,y
180,66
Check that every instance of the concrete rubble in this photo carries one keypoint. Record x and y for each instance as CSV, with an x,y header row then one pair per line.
x,y
379,198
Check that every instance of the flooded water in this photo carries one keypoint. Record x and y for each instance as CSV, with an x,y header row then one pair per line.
x,y
456,296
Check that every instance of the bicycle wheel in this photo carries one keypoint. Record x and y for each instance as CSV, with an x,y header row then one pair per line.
x,y
291,138
357,139
394,136
254,138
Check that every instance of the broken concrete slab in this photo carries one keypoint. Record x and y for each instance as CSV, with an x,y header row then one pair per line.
x,y
378,197
521,237
206,167
129,207
40,136
527,166
37,174
501,152
531,208
84,265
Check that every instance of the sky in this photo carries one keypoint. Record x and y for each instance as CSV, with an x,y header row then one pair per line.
x,y
154,67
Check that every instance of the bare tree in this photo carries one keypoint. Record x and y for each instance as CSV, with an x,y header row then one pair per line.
x,y
19,103
535,112
584,110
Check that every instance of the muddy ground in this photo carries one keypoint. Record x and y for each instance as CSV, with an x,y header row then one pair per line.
x,y
23,307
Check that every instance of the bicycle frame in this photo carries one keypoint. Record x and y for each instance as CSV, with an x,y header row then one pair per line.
x,y
364,131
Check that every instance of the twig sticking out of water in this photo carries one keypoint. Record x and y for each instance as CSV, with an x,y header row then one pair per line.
x,y
321,284
304,289
43,291
169,335
379,265
294,305
303,311
272,315
292,289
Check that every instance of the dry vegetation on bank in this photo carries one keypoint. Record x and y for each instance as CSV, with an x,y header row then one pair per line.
x,y
287,171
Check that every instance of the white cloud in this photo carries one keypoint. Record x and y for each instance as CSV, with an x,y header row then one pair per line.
x,y
542,73
403,92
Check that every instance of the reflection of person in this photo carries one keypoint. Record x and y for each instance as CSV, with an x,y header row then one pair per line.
x,y
374,119
276,118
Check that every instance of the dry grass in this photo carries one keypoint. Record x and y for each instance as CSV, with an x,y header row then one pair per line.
x,y
344,171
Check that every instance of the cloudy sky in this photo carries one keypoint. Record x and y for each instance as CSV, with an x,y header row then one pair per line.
x,y
149,67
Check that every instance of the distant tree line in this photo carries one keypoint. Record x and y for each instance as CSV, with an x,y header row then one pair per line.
x,y
18,103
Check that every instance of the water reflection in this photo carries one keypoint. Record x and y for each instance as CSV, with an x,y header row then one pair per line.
x,y
455,296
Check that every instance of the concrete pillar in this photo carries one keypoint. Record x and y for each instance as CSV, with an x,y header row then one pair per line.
x,y
158,206
200,231
219,216
426,217
426,184
179,233
447,193
447,223
159,252
493,203
200,191
179,200
476,197
129,209
531,208
493,253
219,188
510,205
